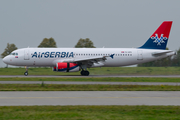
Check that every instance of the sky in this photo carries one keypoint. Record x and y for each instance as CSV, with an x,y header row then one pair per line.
x,y
108,23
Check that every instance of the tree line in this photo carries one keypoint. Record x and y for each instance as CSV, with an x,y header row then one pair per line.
x,y
50,42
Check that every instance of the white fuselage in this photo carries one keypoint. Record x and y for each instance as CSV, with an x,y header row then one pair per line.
x,y
48,57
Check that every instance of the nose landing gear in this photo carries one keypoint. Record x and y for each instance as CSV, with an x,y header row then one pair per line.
x,y
26,73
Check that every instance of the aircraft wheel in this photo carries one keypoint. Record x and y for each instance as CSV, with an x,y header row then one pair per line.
x,y
84,73
26,73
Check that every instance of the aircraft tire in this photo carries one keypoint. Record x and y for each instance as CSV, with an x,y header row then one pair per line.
x,y
26,73
84,73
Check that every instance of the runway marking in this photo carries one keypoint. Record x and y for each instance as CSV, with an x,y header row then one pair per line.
x,y
76,97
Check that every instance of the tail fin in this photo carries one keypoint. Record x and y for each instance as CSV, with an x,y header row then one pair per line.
x,y
159,38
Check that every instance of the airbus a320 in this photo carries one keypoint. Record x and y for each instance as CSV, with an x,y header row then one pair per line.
x,y
79,59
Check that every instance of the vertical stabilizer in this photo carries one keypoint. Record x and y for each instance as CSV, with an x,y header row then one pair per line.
x,y
159,38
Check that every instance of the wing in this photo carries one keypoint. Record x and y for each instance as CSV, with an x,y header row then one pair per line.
x,y
89,61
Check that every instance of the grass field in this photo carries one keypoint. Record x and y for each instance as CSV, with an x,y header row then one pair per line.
x,y
54,87
93,79
98,71
90,112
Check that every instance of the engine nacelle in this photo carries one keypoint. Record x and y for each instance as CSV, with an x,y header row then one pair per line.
x,y
66,67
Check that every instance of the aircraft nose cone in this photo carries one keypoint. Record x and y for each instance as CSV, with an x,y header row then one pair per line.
x,y
5,60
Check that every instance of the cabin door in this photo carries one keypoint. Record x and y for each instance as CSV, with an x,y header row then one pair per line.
x,y
140,55
26,54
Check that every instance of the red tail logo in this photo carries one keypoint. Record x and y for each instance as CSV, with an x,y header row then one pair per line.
x,y
159,38
164,29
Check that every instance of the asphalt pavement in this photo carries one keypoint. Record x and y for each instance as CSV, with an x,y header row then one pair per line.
x,y
28,98
91,83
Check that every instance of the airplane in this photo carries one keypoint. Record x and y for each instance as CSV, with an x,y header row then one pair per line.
x,y
76,59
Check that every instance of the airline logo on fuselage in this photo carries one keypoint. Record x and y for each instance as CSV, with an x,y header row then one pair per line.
x,y
159,40
52,55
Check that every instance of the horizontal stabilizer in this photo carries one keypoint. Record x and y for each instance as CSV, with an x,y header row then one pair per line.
x,y
162,53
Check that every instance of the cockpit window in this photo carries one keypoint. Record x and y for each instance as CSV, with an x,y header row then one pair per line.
x,y
14,54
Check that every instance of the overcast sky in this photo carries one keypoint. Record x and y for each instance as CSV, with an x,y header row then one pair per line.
x,y
109,23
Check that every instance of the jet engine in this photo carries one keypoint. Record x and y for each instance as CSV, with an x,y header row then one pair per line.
x,y
66,67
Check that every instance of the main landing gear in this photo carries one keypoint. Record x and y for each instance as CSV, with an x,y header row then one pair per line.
x,y
26,73
84,73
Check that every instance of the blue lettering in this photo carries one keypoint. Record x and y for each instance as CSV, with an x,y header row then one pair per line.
x,y
51,55
67,54
71,54
46,55
42,54
63,54
39,55
57,54
34,55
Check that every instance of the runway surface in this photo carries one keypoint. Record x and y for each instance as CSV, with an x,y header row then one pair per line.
x,y
90,76
90,98
92,83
